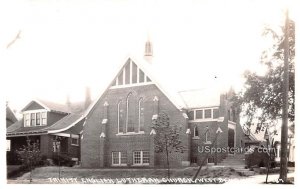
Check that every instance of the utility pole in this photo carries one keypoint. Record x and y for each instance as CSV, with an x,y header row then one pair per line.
x,y
285,107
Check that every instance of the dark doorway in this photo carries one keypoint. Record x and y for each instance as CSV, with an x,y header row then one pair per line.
x,y
231,139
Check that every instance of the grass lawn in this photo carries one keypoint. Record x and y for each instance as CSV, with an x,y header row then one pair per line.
x,y
43,174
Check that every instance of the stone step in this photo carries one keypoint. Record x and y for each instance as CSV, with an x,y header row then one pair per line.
x,y
226,162
247,173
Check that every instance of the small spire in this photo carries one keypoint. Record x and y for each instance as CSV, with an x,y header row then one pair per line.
x,y
148,50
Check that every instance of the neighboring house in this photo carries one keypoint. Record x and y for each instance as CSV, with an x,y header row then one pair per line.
x,y
118,129
10,116
43,122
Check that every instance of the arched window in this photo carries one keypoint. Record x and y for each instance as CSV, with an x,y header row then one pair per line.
x,y
120,127
196,133
207,135
129,114
141,114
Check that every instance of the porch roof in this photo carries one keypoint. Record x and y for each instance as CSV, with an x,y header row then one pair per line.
x,y
17,129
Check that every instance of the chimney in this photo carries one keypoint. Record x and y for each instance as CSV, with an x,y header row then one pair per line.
x,y
68,102
148,51
88,99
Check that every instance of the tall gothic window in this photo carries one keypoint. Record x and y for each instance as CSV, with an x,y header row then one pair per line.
x,y
120,127
207,135
141,114
129,113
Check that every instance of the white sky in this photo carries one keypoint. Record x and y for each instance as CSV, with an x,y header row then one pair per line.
x,y
65,45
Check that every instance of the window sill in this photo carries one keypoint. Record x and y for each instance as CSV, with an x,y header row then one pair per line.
x,y
74,144
203,120
139,165
131,133
196,138
208,142
119,165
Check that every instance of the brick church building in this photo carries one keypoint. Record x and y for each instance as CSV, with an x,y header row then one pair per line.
x,y
118,128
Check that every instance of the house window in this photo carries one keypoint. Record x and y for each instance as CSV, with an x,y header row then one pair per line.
x,y
27,119
120,128
141,157
119,158
32,122
196,134
141,76
74,141
207,114
38,118
141,115
44,118
191,115
233,115
129,114
215,113
228,114
199,114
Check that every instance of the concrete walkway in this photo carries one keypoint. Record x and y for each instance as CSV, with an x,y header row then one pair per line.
x,y
258,179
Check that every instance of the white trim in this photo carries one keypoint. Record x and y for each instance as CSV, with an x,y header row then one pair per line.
x,y
195,129
127,113
188,131
119,158
141,67
77,139
130,133
130,70
202,120
38,102
138,74
220,119
139,112
130,85
102,135
104,121
185,115
66,135
141,158
231,122
118,114
124,76
153,132
41,111
34,111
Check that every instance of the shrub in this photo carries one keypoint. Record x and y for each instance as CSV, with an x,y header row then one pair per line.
x,y
63,160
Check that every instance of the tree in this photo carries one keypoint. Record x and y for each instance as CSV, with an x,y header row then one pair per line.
x,y
263,97
29,155
167,138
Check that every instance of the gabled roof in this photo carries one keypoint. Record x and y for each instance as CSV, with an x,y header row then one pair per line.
x,y
206,97
10,115
63,124
14,126
148,70
50,106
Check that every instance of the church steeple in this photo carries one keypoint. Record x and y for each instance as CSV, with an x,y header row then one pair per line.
x,y
148,50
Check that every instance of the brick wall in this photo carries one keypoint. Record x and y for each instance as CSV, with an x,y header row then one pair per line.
x,y
90,150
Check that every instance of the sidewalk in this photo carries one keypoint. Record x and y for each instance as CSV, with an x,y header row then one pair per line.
x,y
258,179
